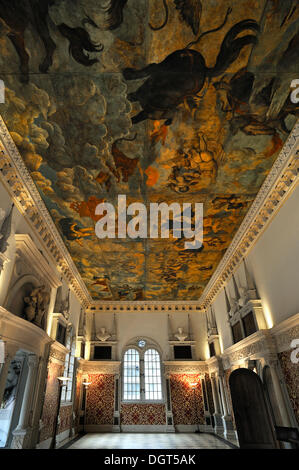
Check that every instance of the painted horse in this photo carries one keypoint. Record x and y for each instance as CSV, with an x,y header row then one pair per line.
x,y
183,73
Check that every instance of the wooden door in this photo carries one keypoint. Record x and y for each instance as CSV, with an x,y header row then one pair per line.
x,y
252,415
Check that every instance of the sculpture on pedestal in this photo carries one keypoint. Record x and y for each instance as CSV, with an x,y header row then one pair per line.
x,y
180,335
103,335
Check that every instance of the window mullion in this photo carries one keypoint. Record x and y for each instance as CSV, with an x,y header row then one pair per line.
x,y
142,382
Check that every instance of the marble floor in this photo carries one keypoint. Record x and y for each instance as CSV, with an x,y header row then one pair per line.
x,y
148,441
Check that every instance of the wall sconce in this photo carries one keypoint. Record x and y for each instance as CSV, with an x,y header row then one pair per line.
x,y
193,385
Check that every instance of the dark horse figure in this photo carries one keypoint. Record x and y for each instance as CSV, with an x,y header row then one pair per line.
x,y
183,74
18,14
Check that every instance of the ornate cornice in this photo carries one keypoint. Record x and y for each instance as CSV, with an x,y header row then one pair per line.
x,y
26,197
185,367
143,306
36,260
255,346
99,367
285,332
279,184
58,353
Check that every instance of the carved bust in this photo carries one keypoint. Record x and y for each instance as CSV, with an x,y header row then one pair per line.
x,y
103,335
180,335
37,303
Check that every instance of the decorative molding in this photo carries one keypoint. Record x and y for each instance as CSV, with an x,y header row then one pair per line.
x,y
99,367
214,365
36,260
277,187
185,367
257,345
285,332
143,306
22,334
58,352
26,197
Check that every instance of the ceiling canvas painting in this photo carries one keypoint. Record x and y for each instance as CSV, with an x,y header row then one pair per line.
x,y
159,100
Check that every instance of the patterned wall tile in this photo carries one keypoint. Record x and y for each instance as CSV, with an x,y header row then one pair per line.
x,y
291,374
50,403
65,416
100,399
153,414
187,404
209,393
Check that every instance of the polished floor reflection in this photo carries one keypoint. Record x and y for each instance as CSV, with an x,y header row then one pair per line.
x,y
148,441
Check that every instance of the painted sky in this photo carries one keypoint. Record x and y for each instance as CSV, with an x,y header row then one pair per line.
x,y
107,97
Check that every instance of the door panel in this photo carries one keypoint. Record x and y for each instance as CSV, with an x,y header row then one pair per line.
x,y
253,419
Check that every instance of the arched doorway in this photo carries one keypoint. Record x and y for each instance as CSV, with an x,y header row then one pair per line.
x,y
252,415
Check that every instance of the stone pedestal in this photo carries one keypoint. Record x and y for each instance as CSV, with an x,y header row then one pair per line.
x,y
21,438
228,427
23,432
218,423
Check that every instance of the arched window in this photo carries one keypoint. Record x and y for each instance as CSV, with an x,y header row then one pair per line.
x,y
152,375
131,375
142,375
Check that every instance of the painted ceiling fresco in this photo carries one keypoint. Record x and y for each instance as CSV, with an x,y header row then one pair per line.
x,y
160,100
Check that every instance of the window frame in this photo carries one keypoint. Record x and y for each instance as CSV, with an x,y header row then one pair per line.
x,y
68,364
141,351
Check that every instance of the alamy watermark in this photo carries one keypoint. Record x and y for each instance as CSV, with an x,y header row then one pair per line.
x,y
185,221
295,354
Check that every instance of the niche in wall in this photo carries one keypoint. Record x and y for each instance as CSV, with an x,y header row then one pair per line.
x,y
212,349
61,333
31,282
16,304
237,332
249,324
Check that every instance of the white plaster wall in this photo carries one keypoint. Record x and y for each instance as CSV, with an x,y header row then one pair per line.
x,y
273,263
21,226
154,325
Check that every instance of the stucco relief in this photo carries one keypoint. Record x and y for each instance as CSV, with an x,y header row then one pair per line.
x,y
284,339
170,369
